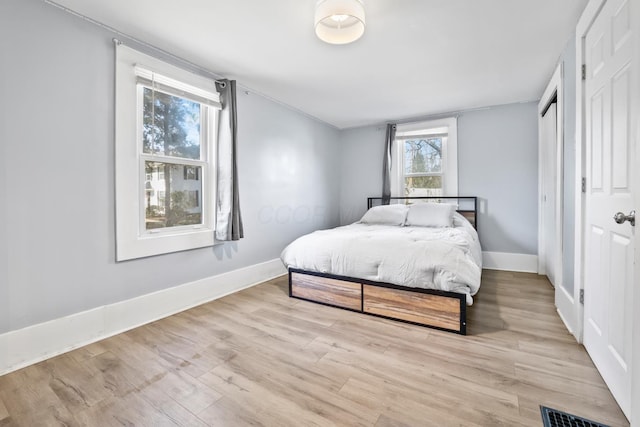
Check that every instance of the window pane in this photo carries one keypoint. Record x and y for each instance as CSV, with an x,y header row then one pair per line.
x,y
420,186
423,155
173,200
171,125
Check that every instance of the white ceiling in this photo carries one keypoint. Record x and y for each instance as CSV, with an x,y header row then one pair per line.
x,y
416,58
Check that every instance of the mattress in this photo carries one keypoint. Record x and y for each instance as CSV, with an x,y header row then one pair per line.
x,y
447,259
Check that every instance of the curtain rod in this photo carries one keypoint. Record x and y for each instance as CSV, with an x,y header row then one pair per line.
x,y
244,88
136,41
220,81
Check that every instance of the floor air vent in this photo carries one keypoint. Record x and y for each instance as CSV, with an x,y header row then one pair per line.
x,y
554,418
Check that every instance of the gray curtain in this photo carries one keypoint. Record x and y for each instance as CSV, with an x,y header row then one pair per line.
x,y
386,163
228,219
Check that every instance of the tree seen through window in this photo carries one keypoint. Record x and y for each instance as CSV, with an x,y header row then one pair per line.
x,y
171,128
423,166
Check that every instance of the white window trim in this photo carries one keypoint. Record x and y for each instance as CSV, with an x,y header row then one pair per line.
x,y
449,151
132,240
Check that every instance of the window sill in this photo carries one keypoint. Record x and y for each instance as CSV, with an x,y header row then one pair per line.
x,y
164,243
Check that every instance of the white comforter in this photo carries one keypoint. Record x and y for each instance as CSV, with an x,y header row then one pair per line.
x,y
448,259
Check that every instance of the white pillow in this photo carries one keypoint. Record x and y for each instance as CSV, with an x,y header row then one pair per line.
x,y
460,221
430,215
385,215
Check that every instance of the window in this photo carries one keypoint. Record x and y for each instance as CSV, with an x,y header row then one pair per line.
x,y
426,159
165,143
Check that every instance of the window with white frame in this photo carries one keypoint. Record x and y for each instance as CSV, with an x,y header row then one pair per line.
x,y
426,159
166,121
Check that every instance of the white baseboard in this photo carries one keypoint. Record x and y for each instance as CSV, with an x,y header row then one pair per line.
x,y
510,262
35,343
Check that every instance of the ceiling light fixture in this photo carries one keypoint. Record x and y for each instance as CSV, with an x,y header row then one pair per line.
x,y
339,21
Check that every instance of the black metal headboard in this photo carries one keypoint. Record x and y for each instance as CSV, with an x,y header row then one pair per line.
x,y
466,206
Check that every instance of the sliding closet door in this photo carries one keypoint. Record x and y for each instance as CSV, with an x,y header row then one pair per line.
x,y
549,151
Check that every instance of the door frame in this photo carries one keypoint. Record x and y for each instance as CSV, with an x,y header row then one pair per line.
x,y
555,88
584,24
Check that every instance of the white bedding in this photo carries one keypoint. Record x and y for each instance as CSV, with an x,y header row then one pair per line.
x,y
448,259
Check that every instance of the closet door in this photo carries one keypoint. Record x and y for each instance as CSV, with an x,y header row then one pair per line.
x,y
549,194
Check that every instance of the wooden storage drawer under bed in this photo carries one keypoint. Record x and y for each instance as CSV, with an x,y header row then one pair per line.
x,y
325,290
436,309
443,312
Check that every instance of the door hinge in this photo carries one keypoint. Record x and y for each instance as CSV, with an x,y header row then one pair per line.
x,y
582,296
584,184
584,71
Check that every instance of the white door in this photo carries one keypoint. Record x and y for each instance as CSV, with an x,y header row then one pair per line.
x,y
549,183
610,148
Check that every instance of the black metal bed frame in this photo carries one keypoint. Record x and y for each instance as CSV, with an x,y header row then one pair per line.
x,y
461,297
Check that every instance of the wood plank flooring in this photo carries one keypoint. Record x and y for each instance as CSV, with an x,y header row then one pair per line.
x,y
260,358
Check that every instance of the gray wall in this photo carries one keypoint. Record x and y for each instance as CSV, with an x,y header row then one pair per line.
x,y
497,161
569,162
362,151
57,231
4,249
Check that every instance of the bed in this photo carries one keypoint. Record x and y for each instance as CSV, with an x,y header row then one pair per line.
x,y
413,259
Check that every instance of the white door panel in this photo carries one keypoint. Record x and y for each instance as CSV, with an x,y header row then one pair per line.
x,y
621,262
609,247
596,274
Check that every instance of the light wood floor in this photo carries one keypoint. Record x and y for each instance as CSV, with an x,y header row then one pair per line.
x,y
260,358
